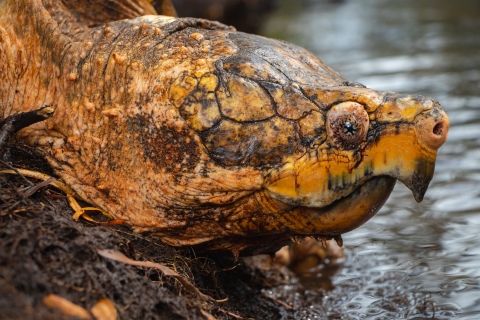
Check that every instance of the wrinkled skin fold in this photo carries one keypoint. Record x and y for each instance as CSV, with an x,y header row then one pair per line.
x,y
205,135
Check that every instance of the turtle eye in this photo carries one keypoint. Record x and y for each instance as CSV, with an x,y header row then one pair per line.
x,y
347,124
350,129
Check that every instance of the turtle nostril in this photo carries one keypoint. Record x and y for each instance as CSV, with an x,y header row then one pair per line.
x,y
437,136
432,128
438,129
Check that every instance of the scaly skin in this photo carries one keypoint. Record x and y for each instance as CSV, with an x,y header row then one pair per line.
x,y
205,135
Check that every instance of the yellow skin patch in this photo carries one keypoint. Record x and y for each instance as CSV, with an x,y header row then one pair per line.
x,y
317,182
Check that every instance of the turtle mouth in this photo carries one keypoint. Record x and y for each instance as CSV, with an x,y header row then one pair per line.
x,y
343,214
356,208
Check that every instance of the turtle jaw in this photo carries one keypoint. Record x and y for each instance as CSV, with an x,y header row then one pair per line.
x,y
405,150
340,216
318,180
349,212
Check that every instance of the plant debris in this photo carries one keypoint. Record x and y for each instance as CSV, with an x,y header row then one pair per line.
x,y
118,256
67,308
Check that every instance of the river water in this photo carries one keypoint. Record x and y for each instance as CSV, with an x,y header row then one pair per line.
x,y
410,261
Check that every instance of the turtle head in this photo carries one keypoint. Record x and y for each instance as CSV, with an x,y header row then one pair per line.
x,y
330,150
327,152
365,140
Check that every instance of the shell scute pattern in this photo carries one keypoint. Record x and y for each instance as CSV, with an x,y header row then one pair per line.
x,y
255,144
290,102
296,63
244,100
248,112
200,110
180,88
251,66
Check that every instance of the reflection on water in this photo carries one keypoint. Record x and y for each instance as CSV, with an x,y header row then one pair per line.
x,y
411,260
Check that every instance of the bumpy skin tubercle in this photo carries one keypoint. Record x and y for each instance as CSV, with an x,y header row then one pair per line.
x,y
208,136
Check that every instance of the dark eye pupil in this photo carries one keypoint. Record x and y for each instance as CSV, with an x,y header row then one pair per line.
x,y
349,129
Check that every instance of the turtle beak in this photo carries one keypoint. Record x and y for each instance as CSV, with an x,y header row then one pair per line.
x,y
419,181
432,131
418,149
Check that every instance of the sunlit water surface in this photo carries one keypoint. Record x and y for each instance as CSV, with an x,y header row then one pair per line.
x,y
411,260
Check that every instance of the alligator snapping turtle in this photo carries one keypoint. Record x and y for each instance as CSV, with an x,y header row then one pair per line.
x,y
205,135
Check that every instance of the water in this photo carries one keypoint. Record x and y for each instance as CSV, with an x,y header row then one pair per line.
x,y
411,260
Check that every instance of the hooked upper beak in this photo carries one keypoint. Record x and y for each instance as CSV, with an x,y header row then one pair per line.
x,y
431,128
419,181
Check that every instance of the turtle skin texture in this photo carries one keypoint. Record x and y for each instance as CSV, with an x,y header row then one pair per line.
x,y
207,136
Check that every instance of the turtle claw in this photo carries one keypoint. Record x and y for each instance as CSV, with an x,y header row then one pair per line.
x,y
80,212
338,239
